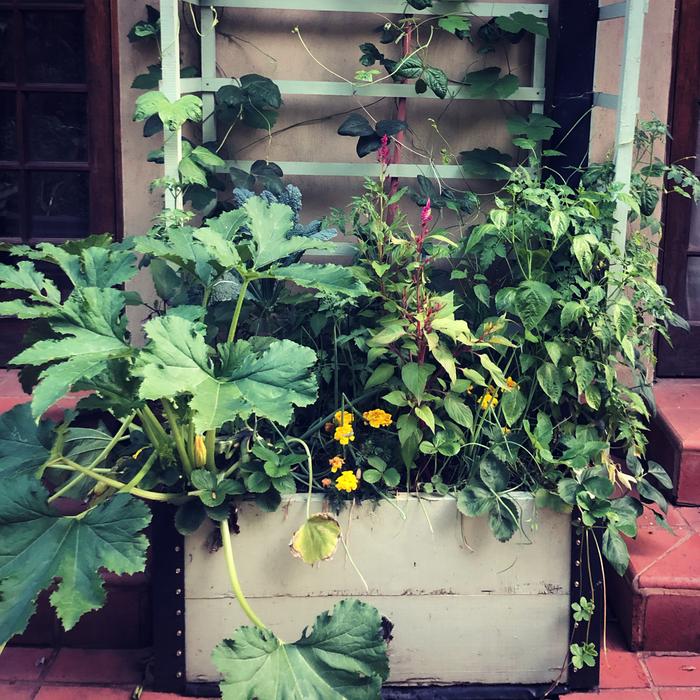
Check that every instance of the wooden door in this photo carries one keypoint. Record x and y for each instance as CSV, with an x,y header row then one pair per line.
x,y
57,126
680,263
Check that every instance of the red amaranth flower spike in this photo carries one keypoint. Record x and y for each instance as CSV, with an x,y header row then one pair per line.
x,y
383,155
426,215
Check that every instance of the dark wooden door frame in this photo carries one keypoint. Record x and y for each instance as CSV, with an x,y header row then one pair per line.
x,y
683,359
102,57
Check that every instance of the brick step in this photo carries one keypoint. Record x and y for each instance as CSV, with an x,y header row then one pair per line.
x,y
675,436
658,599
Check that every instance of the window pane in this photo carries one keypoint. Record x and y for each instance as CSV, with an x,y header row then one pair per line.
x,y
9,204
8,133
59,205
55,47
7,64
57,126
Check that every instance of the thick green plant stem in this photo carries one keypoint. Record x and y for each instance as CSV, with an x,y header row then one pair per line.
x,y
237,311
141,493
233,576
153,429
177,436
141,473
155,423
210,444
95,462
113,442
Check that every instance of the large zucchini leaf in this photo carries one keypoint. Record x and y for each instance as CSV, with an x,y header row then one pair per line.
x,y
342,658
39,546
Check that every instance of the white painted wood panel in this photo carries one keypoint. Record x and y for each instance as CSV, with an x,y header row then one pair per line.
x,y
480,612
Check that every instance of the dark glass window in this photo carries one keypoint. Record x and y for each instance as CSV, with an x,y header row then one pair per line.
x,y
48,147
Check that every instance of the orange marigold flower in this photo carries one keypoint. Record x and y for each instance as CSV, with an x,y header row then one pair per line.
x,y
343,417
488,400
344,434
347,481
378,418
326,482
336,463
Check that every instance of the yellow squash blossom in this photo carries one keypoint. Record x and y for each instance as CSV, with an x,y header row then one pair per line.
x,y
200,451
505,430
344,434
488,400
343,418
378,418
347,481
336,463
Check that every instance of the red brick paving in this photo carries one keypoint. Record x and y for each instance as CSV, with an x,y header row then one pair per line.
x,y
89,674
675,436
77,692
658,599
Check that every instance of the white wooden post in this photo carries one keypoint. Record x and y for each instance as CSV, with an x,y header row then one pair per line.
x,y
170,86
208,60
628,110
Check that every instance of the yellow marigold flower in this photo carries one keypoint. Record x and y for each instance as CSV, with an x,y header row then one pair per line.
x,y
344,434
378,418
326,482
488,400
200,451
343,417
511,383
336,463
347,481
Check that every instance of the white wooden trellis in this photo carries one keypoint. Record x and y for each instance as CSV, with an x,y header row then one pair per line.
x,y
206,85
626,103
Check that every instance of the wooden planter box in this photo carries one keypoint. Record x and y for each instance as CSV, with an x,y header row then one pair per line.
x,y
466,608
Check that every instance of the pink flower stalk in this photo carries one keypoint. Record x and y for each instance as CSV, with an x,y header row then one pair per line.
x,y
383,155
426,215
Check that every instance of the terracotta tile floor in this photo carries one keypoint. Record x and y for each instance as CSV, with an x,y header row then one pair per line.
x,y
67,674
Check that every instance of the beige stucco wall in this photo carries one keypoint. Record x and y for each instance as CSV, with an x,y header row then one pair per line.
x,y
264,42
655,77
